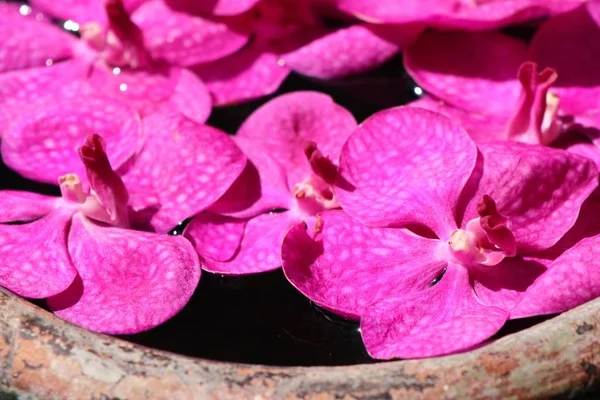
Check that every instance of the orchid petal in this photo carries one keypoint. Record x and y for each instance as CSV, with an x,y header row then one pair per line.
x,y
391,174
80,11
259,249
43,145
34,261
285,124
248,74
216,7
481,127
571,280
189,166
345,266
16,206
487,83
215,236
539,189
191,97
183,39
156,280
443,319
393,11
351,50
574,54
28,42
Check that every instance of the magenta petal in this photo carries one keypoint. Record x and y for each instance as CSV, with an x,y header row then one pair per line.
x,y
481,127
191,97
34,261
539,189
130,281
248,74
80,11
282,127
27,42
486,83
216,7
185,39
24,206
443,319
394,11
405,165
503,285
259,249
188,165
215,237
571,280
351,50
42,145
348,266
573,53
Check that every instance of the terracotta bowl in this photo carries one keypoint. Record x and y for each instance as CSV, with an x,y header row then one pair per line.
x,y
44,357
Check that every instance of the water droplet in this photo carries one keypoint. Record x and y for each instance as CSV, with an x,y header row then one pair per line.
x,y
418,91
25,10
39,16
71,26
123,87
49,62
116,71
281,62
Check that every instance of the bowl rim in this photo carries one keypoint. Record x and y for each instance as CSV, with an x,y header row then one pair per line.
x,y
45,357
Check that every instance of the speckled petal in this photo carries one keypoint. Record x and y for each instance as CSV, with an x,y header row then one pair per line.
x,y
571,280
216,7
348,266
129,281
215,237
394,11
189,165
481,127
406,165
248,74
486,83
282,127
24,206
80,11
184,39
260,246
574,54
351,50
444,319
34,261
538,188
191,97
43,145
27,42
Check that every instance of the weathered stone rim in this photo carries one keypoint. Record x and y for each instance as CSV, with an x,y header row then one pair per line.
x,y
44,357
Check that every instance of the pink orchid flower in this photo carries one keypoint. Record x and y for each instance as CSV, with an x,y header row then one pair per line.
x,y
457,14
439,237
139,56
293,144
534,105
291,35
77,251
173,167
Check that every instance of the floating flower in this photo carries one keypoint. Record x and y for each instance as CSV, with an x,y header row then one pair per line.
x,y
293,144
77,251
291,35
440,238
493,101
138,56
173,166
457,14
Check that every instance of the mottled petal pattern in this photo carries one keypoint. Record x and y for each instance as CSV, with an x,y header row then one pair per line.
x,y
34,261
25,206
119,297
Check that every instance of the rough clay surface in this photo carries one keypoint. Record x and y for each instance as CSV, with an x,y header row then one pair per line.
x,y
46,358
